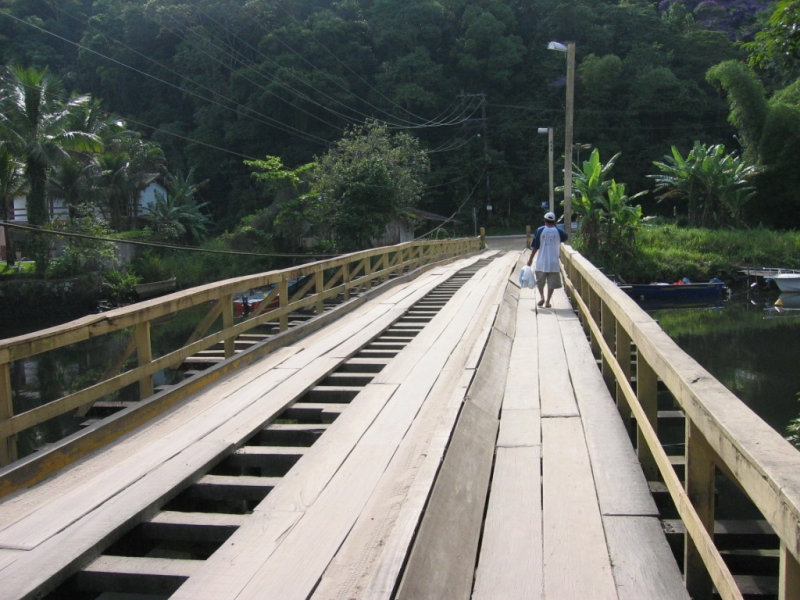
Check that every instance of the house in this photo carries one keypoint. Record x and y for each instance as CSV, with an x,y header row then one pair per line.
x,y
59,211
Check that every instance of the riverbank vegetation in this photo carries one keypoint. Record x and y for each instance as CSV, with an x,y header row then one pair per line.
x,y
667,252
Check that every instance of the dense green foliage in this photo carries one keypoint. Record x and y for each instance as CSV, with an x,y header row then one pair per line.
x,y
669,253
215,82
608,219
714,186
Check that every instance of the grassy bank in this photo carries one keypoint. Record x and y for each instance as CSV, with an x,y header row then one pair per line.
x,y
668,253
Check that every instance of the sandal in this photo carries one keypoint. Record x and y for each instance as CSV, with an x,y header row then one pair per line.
x,y
540,303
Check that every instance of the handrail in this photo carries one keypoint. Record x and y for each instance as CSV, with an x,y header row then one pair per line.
x,y
721,431
327,279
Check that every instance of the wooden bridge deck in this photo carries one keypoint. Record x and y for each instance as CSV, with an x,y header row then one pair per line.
x,y
485,459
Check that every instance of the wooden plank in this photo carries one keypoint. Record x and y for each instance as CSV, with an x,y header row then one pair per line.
x,y
442,561
465,300
410,473
281,576
36,527
576,561
642,561
555,388
320,532
369,561
522,384
386,570
122,567
519,428
621,485
193,527
227,571
510,565
326,519
37,571
14,508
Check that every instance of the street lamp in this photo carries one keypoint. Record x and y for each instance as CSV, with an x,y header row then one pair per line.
x,y
580,147
549,132
569,48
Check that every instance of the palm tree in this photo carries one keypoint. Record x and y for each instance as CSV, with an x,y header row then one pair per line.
x,y
715,185
35,123
12,183
127,168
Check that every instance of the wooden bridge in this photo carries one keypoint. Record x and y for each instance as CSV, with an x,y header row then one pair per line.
x,y
406,424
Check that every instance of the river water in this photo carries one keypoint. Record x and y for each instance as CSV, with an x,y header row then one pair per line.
x,y
749,346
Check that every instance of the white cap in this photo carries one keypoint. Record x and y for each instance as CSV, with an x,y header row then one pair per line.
x,y
550,217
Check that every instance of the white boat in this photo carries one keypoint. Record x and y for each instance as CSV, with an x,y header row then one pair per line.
x,y
787,282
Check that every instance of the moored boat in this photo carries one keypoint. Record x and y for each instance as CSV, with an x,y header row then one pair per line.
x,y
787,282
676,294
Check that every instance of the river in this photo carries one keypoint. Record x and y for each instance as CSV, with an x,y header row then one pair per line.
x,y
749,346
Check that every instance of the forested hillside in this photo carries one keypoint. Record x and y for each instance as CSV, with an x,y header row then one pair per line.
x,y
218,82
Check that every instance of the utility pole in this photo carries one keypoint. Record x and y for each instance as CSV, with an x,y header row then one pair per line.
x,y
485,135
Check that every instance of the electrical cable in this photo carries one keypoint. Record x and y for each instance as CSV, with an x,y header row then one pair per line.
x,y
346,66
280,125
458,210
156,244
456,121
158,129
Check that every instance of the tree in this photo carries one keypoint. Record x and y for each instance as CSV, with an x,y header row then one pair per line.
x,y
12,184
176,216
715,185
34,122
769,130
608,220
367,179
779,42
126,169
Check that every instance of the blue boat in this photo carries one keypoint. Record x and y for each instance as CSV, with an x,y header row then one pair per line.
x,y
676,295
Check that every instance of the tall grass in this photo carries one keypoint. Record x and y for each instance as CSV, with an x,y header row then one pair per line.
x,y
668,253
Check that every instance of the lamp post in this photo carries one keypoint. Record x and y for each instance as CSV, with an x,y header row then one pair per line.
x,y
549,132
569,48
580,147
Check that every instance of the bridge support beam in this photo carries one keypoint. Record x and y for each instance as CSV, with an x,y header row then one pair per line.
x,y
647,394
608,325
623,352
144,356
8,446
789,576
700,489
227,322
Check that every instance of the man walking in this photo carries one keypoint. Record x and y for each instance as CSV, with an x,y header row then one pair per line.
x,y
546,244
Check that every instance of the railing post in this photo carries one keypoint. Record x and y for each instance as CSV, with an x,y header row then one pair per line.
x,y
700,489
144,356
8,446
227,322
623,351
283,300
319,288
595,310
483,239
608,325
647,394
788,576
346,280
528,236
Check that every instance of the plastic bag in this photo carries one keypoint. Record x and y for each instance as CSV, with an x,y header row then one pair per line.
x,y
527,278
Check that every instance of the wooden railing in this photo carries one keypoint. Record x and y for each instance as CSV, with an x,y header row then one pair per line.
x,y
320,281
721,432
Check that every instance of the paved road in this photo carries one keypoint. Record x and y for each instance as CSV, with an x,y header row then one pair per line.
x,y
506,242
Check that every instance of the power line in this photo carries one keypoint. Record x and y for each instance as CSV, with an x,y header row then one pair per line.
x,y
158,129
280,125
156,244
